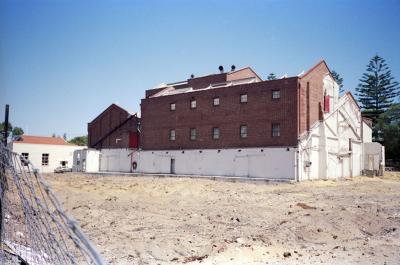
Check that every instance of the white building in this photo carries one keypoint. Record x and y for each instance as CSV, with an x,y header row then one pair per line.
x,y
332,139
45,153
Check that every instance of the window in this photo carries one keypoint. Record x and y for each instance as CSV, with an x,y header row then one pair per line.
x,y
45,159
276,129
243,98
215,133
243,131
193,134
172,107
193,104
215,101
64,163
24,158
276,94
172,135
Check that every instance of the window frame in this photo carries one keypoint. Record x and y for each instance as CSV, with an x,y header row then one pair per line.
x,y
45,156
275,125
242,135
216,98
279,94
172,132
24,159
191,103
213,130
194,138
247,98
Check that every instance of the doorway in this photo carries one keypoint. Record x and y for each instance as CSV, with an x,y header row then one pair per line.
x,y
172,166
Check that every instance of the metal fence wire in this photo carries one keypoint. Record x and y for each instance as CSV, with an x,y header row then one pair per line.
x,y
34,228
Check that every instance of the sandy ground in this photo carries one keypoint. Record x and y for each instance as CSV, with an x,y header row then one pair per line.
x,y
145,220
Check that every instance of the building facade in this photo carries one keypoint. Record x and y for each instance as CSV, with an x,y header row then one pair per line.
x,y
45,153
236,124
114,128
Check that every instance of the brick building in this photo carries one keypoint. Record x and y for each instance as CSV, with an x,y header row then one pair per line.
x,y
114,128
232,110
236,124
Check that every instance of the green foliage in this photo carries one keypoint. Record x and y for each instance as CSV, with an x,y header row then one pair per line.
x,y
272,76
12,131
377,89
17,131
338,79
79,140
387,130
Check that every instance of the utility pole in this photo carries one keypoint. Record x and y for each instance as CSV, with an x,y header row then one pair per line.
x,y
5,133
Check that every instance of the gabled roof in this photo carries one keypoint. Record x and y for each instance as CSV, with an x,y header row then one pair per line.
x,y
322,61
30,139
113,105
243,69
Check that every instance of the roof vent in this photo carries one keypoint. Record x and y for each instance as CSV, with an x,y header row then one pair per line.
x,y
233,67
192,76
221,69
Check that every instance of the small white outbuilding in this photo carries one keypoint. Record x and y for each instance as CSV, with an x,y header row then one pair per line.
x,y
45,153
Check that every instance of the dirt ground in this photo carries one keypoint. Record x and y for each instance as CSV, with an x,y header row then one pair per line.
x,y
145,220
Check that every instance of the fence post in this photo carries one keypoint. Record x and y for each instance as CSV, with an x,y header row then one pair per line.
x,y
3,172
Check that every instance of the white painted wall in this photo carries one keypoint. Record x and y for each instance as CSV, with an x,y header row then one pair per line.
x,y
367,133
57,153
86,160
373,156
327,144
116,160
268,163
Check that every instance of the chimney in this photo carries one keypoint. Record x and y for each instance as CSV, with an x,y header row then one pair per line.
x,y
221,69
192,76
233,67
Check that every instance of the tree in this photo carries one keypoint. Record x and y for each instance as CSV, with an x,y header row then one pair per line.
x,y
272,76
338,79
17,131
65,136
53,135
388,131
12,131
79,140
377,89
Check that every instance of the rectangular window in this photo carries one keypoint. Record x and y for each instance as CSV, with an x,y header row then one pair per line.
x,y
193,134
243,98
215,133
172,135
215,101
193,104
172,107
276,129
45,159
24,158
243,131
276,94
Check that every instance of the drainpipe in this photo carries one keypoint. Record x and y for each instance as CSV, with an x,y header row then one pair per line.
x,y
296,165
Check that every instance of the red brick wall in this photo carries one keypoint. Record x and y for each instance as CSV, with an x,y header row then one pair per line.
x,y
205,81
315,99
108,120
259,114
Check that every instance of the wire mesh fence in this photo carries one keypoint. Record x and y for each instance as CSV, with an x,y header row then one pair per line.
x,y
34,228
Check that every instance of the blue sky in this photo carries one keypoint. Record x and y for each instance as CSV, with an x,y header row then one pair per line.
x,y
62,62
